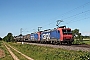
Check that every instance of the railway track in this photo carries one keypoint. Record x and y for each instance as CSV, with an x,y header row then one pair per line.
x,y
67,47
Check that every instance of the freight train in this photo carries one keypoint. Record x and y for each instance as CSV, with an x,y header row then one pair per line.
x,y
55,36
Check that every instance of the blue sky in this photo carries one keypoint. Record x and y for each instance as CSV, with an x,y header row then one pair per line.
x,y
30,14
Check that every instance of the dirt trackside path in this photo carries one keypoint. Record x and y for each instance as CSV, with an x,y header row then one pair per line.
x,y
2,54
21,53
12,54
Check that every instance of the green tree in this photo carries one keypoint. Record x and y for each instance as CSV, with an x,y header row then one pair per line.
x,y
0,38
77,36
9,38
5,38
86,37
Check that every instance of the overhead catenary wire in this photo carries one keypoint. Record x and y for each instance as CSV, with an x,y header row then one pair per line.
x,y
82,12
69,17
77,14
75,8
78,20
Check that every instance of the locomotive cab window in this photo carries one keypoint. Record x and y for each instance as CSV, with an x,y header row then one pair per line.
x,y
66,31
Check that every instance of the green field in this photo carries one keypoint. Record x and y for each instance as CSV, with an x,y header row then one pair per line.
x,y
44,53
48,53
82,42
86,42
17,54
7,54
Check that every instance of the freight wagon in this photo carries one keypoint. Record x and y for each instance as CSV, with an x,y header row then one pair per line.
x,y
55,36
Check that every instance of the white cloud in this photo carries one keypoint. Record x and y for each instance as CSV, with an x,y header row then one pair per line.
x,y
86,33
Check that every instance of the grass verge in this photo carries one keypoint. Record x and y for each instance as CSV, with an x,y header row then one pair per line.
x,y
7,54
17,54
48,53
86,42
82,42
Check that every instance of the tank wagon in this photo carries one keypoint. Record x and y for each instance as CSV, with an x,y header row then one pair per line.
x,y
21,38
27,37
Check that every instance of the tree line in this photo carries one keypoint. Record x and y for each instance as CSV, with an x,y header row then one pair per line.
x,y
9,38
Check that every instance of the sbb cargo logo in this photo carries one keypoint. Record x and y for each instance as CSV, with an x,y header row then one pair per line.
x,y
46,36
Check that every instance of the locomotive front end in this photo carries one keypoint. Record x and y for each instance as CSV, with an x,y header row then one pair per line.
x,y
67,35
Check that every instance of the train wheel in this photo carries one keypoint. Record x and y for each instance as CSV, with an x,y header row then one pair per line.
x,y
53,42
61,42
69,43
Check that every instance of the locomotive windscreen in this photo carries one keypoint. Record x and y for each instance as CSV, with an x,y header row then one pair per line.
x,y
67,31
